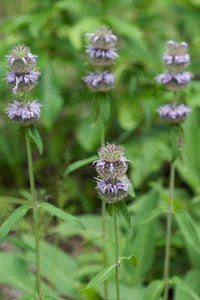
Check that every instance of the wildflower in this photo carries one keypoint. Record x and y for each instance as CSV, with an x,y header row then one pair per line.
x,y
99,81
101,57
176,56
172,114
112,190
23,114
174,82
21,82
21,59
102,38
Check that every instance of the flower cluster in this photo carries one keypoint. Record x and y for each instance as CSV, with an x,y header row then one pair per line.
x,y
175,59
21,78
112,185
172,114
101,53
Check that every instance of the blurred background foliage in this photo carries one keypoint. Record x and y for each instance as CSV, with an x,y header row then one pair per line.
x,y
55,31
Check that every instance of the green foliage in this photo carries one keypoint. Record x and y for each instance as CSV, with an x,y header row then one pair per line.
x,y
10,222
54,211
35,136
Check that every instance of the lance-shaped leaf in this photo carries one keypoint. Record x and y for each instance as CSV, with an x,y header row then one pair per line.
x,y
154,290
80,163
35,136
57,212
100,277
12,220
122,209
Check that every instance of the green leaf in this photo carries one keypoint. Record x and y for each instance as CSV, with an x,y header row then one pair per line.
x,y
104,105
35,136
152,215
54,211
100,277
187,290
154,290
14,271
131,191
51,97
132,258
78,164
122,209
188,229
190,279
12,220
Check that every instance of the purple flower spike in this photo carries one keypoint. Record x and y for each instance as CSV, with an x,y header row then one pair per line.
x,y
99,82
112,190
23,114
172,114
174,82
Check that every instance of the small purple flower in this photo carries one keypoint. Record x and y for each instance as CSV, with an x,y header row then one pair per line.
x,y
99,81
21,59
174,82
101,57
23,114
109,170
174,48
112,190
172,114
21,82
102,38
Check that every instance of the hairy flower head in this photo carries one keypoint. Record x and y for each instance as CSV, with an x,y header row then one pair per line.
x,y
21,59
112,190
103,38
23,114
172,114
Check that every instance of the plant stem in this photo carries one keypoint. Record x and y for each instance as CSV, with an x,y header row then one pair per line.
x,y
168,234
103,216
116,252
35,211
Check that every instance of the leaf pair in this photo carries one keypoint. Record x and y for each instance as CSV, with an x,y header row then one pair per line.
x,y
22,210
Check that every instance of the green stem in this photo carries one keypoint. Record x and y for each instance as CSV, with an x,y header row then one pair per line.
x,y
35,211
103,216
168,234
116,252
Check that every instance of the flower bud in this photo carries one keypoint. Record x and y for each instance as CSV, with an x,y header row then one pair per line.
x,y
21,59
102,38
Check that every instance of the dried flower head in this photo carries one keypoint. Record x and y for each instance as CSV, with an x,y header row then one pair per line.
x,y
100,81
112,190
21,59
101,57
172,114
23,114
22,82
174,82
102,38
